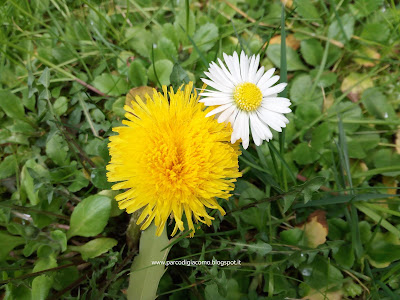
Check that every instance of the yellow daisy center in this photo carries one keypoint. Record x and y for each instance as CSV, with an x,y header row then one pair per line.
x,y
247,96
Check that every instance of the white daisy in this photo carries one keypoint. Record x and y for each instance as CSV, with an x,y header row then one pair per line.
x,y
246,95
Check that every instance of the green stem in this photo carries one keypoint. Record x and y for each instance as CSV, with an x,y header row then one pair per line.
x,y
148,266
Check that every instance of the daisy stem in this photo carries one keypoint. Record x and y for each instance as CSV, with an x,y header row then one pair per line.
x,y
283,73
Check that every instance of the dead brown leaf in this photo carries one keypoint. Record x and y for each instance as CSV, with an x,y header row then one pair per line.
x,y
291,41
140,91
319,295
315,229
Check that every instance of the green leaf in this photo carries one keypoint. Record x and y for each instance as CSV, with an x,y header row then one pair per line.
x,y
41,286
90,216
163,69
45,78
145,277
377,104
60,106
28,185
312,51
292,58
385,248
137,73
99,178
94,248
57,150
306,113
304,154
386,158
345,256
8,166
321,135
293,236
179,75
65,276
12,105
377,32
111,84
366,7
326,79
307,10
165,49
139,40
206,36
7,243
335,32
323,274
300,91
60,237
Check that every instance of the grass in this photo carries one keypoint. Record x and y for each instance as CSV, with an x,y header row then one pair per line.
x,y
316,213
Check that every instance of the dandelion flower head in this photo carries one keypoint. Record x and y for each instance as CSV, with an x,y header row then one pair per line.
x,y
172,160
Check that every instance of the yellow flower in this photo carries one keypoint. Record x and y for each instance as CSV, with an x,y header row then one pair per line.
x,y
171,160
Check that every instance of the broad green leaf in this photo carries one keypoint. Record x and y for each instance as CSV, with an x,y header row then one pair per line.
x,y
179,75
12,105
28,186
45,78
307,10
377,104
90,216
41,286
293,61
137,73
345,256
312,51
165,49
61,238
145,277
140,40
99,178
111,84
8,243
293,236
45,263
377,32
57,150
366,7
94,247
386,158
326,79
8,166
307,113
323,274
303,154
65,276
206,36
300,91
384,249
335,31
60,106
321,135
163,69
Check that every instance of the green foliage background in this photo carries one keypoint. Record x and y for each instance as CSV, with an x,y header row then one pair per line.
x,y
65,68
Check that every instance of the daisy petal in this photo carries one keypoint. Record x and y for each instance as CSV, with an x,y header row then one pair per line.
x,y
275,89
270,82
218,110
266,76
216,86
226,114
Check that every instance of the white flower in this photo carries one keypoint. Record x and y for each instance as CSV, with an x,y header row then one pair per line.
x,y
246,95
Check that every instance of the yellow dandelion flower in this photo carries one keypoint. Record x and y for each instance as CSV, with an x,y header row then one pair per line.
x,y
171,160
